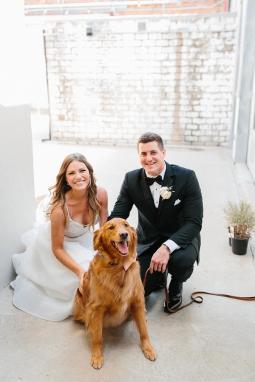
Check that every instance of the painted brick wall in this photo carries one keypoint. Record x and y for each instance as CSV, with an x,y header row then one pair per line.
x,y
174,76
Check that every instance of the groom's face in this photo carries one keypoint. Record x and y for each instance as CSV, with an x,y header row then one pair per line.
x,y
152,157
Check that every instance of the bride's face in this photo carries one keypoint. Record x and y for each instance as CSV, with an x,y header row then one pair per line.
x,y
77,175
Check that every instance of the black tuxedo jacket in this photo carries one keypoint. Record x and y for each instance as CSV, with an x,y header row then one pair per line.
x,y
178,218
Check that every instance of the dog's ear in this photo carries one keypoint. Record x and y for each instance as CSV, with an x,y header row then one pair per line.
x,y
133,240
134,236
97,239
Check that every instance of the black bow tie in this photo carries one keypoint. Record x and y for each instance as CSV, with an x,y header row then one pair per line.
x,y
150,181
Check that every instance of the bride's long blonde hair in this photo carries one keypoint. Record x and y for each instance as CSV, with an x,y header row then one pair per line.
x,y
61,188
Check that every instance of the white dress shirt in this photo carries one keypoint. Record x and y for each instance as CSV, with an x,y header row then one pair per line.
x,y
155,192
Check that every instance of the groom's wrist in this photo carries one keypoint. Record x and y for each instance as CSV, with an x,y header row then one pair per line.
x,y
167,248
171,245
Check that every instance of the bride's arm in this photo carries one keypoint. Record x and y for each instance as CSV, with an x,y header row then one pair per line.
x,y
103,200
57,241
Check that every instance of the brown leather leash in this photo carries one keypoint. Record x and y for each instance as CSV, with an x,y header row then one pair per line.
x,y
198,299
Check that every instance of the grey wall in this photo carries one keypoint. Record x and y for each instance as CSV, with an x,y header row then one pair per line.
x,y
17,201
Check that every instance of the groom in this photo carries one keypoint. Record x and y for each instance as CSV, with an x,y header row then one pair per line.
x,y
170,211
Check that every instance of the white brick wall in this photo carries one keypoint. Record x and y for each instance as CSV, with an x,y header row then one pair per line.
x,y
175,78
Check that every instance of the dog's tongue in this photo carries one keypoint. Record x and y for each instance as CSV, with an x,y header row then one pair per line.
x,y
122,247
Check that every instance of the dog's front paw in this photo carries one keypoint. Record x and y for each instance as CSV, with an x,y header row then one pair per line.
x,y
97,361
149,352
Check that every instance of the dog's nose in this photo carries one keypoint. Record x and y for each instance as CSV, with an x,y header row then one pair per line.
x,y
123,236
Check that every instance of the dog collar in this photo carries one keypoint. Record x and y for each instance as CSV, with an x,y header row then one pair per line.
x,y
128,263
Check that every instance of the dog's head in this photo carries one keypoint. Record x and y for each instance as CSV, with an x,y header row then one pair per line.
x,y
116,238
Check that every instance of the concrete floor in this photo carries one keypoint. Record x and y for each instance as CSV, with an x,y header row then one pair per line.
x,y
211,342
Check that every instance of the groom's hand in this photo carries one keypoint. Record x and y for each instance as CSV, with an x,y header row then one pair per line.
x,y
160,259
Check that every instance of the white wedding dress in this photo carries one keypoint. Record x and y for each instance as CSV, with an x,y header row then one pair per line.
x,y
44,287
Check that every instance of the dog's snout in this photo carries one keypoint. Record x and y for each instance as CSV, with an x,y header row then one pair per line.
x,y
123,236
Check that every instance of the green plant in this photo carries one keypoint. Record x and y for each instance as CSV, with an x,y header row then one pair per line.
x,y
241,218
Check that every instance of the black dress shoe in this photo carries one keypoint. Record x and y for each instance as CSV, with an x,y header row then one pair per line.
x,y
173,304
174,296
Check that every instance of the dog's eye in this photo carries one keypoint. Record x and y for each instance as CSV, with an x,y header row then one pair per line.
x,y
111,227
126,225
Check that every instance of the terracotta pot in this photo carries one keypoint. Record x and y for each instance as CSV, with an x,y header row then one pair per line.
x,y
239,246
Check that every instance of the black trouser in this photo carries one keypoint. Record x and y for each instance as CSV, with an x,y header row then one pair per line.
x,y
180,266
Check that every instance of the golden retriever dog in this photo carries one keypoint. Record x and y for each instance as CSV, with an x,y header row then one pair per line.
x,y
112,288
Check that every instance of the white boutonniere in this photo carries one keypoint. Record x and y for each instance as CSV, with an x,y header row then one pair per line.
x,y
166,192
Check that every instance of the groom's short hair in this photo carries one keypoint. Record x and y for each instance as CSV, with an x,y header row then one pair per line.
x,y
151,137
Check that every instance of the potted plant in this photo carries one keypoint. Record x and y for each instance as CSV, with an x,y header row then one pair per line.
x,y
241,221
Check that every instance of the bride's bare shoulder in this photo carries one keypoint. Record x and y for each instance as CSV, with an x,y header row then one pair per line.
x,y
102,196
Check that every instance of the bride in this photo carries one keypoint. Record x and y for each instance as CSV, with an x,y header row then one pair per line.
x,y
58,251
